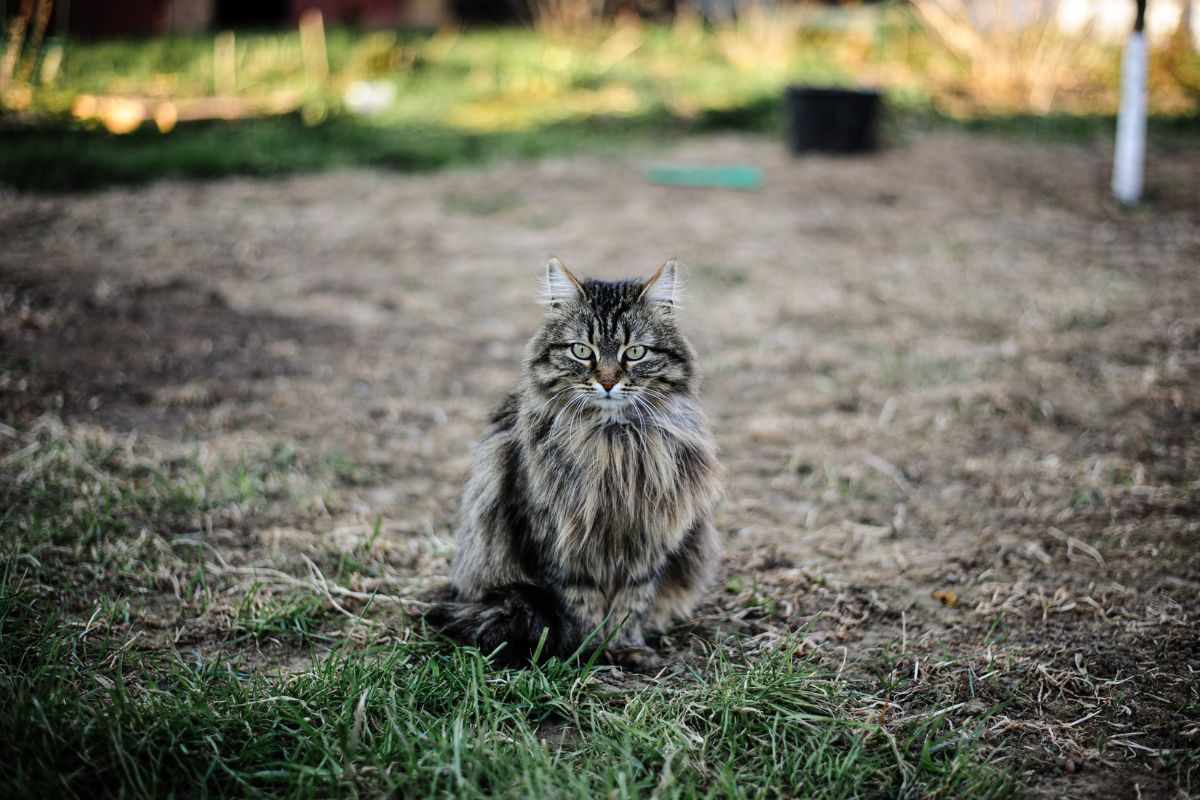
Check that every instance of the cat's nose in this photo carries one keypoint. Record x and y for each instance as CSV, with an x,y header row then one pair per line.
x,y
607,384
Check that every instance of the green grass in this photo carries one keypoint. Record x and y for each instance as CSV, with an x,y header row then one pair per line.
x,y
97,703
467,97
79,492
460,98
430,721
1163,129
75,158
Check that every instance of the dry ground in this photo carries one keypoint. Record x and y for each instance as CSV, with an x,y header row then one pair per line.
x,y
957,392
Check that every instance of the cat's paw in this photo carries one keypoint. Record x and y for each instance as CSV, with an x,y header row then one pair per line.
x,y
641,660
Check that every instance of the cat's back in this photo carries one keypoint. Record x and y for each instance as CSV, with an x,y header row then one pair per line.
x,y
491,509
496,457
503,418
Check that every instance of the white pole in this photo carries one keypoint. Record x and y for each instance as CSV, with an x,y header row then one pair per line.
x,y
1130,152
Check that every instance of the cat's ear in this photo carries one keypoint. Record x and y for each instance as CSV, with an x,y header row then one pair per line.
x,y
561,285
664,287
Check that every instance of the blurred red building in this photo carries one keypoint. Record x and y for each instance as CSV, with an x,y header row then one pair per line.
x,y
142,17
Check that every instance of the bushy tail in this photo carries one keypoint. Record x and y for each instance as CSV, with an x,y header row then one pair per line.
x,y
514,616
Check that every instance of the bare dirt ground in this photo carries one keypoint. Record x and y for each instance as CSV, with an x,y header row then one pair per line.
x,y
956,390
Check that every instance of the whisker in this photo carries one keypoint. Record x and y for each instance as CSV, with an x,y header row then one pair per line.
x,y
576,399
552,397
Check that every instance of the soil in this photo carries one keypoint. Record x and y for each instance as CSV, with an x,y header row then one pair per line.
x,y
956,390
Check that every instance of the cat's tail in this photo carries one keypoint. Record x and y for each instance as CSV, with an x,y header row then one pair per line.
x,y
512,620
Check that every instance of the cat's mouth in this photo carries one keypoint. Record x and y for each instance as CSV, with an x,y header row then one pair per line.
x,y
610,402
608,394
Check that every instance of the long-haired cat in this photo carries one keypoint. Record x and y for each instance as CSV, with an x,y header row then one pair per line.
x,y
589,508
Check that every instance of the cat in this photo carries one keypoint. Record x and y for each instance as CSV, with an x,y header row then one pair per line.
x,y
588,512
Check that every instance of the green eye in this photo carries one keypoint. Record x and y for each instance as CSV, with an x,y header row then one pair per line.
x,y
581,351
634,352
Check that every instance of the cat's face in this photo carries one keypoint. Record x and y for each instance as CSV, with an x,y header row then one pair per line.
x,y
610,347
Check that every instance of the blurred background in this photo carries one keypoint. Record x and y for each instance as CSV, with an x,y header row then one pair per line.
x,y
955,385
124,90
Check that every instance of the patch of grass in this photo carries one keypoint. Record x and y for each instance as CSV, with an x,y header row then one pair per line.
x,y
75,157
471,96
1085,497
86,490
91,706
295,614
102,522
458,99
1073,128
901,367
484,206
85,712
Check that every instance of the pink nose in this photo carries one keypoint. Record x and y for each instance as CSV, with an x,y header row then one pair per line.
x,y
607,384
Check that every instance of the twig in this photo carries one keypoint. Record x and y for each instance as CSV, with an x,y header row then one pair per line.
x,y
887,468
1081,719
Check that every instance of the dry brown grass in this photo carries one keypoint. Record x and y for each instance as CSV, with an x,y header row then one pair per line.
x,y
955,388
1012,63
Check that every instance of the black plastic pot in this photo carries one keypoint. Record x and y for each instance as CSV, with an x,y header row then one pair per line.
x,y
832,120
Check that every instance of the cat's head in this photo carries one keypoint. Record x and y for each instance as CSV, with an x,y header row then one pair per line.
x,y
610,346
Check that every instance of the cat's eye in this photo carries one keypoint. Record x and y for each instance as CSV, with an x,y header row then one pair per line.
x,y
635,352
581,351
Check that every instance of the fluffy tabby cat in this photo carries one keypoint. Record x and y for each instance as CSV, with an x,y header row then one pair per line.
x,y
589,508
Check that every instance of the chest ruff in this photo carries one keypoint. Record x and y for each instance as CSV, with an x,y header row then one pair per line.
x,y
621,498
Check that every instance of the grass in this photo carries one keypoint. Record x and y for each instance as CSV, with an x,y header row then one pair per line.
x,y
74,158
285,696
434,722
465,97
1163,129
70,159
459,98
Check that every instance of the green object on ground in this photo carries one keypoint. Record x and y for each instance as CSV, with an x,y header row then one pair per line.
x,y
716,176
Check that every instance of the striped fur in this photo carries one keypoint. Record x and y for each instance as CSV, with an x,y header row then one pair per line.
x,y
589,508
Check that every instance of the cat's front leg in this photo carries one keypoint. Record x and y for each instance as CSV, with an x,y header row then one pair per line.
x,y
641,659
589,606
619,616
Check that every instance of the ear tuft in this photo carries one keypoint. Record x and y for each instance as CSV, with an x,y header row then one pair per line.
x,y
561,286
665,287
